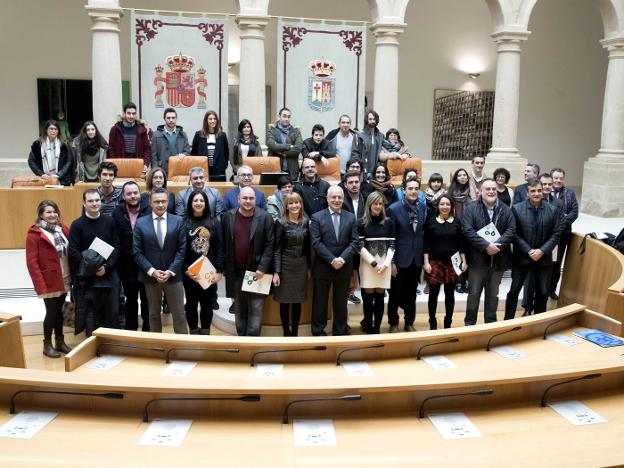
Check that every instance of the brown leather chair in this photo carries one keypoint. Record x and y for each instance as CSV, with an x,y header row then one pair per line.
x,y
397,167
331,172
128,169
179,168
260,164
29,181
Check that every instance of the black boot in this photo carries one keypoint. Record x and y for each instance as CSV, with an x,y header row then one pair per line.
x,y
433,323
378,312
61,345
367,307
447,322
49,351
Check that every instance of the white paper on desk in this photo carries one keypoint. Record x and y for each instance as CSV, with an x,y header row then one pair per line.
x,y
253,285
563,339
357,369
53,186
508,352
106,362
26,424
439,362
102,247
577,413
313,432
454,426
489,233
166,432
179,368
269,371
456,261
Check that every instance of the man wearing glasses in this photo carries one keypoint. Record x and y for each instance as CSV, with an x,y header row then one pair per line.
x,y
245,179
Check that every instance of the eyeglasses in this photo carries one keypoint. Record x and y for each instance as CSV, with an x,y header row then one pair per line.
x,y
245,175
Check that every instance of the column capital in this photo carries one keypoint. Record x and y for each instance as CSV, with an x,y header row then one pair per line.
x,y
252,25
615,46
104,18
387,33
509,40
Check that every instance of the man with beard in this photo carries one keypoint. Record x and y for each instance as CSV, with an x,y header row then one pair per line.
x,y
372,139
285,141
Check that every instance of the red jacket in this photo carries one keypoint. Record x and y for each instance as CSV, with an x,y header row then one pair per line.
x,y
116,143
43,262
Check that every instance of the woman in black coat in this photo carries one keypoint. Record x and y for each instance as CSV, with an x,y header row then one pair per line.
x,y
50,157
247,144
211,141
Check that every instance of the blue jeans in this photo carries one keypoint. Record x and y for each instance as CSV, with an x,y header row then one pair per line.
x,y
249,310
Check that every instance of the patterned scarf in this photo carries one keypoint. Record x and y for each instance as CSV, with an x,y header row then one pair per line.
x,y
395,147
433,197
57,233
412,212
382,187
284,132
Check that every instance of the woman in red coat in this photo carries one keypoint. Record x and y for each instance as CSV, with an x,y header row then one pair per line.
x,y
48,264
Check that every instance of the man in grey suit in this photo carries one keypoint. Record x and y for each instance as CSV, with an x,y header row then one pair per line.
x,y
198,182
334,238
159,246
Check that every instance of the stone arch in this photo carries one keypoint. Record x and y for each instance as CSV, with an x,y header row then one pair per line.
x,y
388,11
612,14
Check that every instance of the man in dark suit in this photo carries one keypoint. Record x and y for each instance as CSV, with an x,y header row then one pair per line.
x,y
333,233
539,226
197,179
245,179
248,246
409,217
355,202
159,246
531,171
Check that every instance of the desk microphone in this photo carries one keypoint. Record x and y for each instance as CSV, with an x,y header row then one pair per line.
x,y
181,348
247,398
421,408
554,323
356,348
340,398
121,345
585,377
487,348
110,395
450,340
252,363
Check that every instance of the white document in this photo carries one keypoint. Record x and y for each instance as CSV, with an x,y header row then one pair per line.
x,y
102,247
204,270
489,233
563,339
179,368
254,285
106,362
26,424
454,426
508,352
315,432
166,432
439,362
357,369
555,253
269,371
577,413
456,261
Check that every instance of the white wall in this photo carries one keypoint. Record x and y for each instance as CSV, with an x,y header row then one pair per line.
x,y
562,83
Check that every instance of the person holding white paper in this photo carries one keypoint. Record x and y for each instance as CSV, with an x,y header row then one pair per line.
x,y
443,239
203,239
488,260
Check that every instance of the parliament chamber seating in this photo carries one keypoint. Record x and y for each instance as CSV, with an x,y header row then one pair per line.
x,y
260,164
128,169
28,181
179,168
331,172
397,167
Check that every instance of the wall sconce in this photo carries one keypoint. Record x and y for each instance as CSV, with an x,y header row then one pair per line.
x,y
474,76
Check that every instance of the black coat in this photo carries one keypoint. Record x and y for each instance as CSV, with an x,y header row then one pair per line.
x,y
327,247
474,217
541,230
126,266
65,171
260,249
314,194
221,154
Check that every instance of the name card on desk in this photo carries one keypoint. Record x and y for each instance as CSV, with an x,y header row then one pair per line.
x,y
508,352
313,432
563,339
26,424
166,432
357,369
179,368
454,426
439,362
269,371
577,413
106,362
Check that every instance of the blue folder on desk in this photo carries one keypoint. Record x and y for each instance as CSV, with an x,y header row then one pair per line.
x,y
600,338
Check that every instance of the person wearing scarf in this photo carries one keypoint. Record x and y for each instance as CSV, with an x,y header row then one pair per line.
x,y
284,141
90,150
433,192
275,202
50,157
392,147
381,183
247,144
47,260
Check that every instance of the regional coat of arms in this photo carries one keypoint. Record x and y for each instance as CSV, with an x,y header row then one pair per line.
x,y
321,85
180,83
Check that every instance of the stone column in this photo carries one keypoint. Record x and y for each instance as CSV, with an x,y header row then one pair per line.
x,y
504,151
386,81
252,96
105,61
603,175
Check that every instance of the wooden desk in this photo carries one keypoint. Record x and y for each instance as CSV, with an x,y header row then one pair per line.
x,y
11,345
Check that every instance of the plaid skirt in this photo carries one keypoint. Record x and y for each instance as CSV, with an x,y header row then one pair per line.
x,y
442,272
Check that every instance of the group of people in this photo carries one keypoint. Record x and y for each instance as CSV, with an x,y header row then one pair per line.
x,y
362,231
